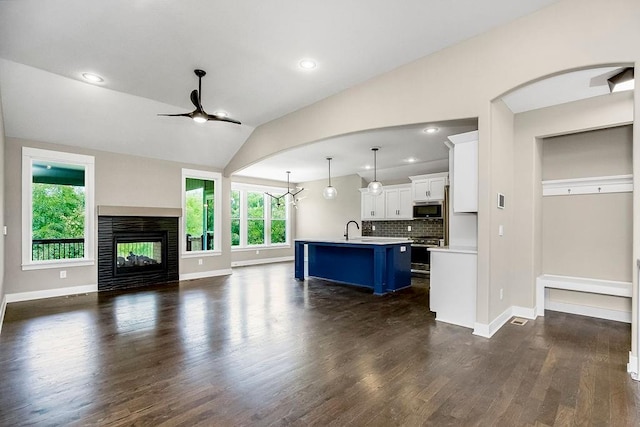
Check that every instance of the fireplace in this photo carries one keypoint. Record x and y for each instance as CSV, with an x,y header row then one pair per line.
x,y
136,251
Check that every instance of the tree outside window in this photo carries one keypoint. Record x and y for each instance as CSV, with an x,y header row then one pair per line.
x,y
278,222
255,218
235,218
58,211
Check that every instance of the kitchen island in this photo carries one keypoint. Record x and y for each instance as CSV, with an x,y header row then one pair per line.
x,y
382,264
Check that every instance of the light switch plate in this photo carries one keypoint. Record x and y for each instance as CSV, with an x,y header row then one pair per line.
x,y
500,230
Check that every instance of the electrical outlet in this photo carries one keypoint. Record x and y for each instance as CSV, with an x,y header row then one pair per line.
x,y
501,294
199,261
4,230
63,274
257,252
408,228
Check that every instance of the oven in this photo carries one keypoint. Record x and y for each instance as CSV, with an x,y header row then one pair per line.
x,y
420,255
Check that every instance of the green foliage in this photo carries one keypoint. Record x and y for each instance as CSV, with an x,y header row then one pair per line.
x,y
278,231
58,211
194,212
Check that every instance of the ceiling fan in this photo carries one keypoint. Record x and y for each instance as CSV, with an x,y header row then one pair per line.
x,y
199,115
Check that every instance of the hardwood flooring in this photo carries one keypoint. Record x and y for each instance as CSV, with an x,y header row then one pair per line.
x,y
260,348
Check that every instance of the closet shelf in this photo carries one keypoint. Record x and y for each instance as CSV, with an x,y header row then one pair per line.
x,y
590,185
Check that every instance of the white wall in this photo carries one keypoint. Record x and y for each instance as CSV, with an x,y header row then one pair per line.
x,y
320,218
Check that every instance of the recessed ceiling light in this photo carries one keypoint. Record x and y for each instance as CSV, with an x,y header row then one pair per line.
x,y
220,113
367,167
430,130
93,78
307,64
411,160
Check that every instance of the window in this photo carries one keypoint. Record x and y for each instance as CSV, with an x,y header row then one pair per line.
x,y
201,212
258,220
57,209
235,218
255,218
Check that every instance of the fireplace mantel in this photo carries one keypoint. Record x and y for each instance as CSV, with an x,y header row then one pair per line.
x,y
142,211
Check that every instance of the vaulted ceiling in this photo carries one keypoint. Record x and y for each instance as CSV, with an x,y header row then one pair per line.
x,y
146,51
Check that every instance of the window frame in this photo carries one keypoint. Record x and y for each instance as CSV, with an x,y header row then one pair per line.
x,y
29,155
247,188
216,177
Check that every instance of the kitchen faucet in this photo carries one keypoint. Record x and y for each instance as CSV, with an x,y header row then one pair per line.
x,y
346,229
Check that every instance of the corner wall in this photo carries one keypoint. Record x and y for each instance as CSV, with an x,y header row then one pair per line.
x,y
3,301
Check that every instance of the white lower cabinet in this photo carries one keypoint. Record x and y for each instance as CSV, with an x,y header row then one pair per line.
x,y
453,285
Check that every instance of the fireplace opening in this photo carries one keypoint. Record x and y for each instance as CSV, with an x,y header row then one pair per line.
x,y
136,253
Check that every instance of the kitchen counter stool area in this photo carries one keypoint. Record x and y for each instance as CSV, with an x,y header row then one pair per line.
x,y
383,265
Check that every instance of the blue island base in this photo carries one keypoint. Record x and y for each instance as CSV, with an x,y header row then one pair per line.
x,y
381,267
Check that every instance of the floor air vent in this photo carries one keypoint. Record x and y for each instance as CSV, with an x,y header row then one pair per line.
x,y
518,321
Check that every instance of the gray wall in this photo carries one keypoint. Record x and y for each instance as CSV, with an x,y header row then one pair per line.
x,y
2,216
588,235
320,218
121,180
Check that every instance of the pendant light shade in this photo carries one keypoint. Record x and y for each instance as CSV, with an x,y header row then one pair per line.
x,y
329,191
375,186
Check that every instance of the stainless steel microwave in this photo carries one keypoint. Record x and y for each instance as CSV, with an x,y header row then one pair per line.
x,y
427,210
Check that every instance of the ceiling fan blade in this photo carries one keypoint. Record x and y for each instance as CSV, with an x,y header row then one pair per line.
x,y
195,100
222,119
178,115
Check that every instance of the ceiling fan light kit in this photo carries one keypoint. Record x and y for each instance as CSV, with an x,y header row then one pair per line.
x,y
199,115
375,186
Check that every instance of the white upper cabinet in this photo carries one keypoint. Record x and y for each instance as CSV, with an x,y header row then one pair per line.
x,y
428,188
464,182
399,202
372,207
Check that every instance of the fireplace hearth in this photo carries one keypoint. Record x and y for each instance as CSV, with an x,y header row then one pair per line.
x,y
136,251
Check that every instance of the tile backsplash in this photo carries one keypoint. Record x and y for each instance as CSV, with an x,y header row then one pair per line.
x,y
419,227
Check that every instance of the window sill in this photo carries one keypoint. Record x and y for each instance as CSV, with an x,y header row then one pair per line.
x,y
200,254
58,264
259,247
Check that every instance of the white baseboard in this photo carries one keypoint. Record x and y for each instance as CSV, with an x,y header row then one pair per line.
x,y
261,261
3,309
51,293
204,274
487,331
585,310
527,313
632,367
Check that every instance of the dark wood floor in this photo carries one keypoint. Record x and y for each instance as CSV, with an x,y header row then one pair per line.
x,y
259,348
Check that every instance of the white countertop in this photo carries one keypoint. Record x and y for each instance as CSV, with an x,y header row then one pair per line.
x,y
360,240
456,249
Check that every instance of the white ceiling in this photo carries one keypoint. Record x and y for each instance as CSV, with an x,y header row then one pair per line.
x,y
146,51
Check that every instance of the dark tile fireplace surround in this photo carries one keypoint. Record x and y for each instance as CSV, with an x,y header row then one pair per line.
x,y
148,247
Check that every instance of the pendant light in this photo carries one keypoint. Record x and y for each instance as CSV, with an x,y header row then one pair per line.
x,y
329,191
375,186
